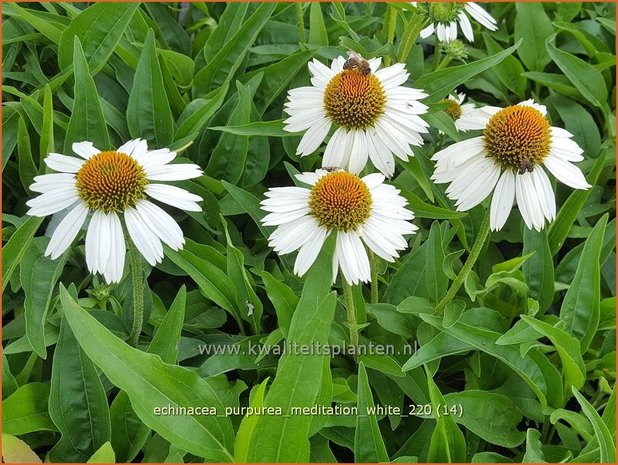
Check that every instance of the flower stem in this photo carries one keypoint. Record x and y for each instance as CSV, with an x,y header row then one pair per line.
x,y
135,263
300,20
351,311
373,260
481,237
390,22
436,52
444,62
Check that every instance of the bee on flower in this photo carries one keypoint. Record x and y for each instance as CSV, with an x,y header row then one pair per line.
x,y
511,159
374,115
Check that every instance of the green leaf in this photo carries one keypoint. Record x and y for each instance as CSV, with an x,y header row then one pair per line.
x,y
222,67
16,247
568,349
14,450
317,29
105,454
490,415
368,442
438,84
568,212
539,268
227,161
283,299
248,424
99,28
258,128
197,113
607,443
533,368
532,26
534,447
25,411
27,168
250,204
297,384
39,276
77,401
214,283
47,130
150,383
580,307
579,123
588,80
87,122
148,112
510,72
447,441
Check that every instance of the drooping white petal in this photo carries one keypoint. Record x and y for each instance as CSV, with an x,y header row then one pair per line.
x,y
528,201
115,262
359,154
146,241
98,242
161,223
66,231
429,30
566,172
310,250
174,196
502,200
177,172
49,182
466,26
545,193
53,201
314,136
481,15
352,257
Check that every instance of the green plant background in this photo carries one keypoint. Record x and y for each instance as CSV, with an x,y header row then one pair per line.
x,y
527,349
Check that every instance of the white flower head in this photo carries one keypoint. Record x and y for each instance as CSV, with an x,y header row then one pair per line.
x,y
509,159
362,212
375,116
444,17
110,185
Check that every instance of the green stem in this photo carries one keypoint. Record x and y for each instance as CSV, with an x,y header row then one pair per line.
x,y
135,263
373,260
436,52
481,237
351,311
301,21
444,62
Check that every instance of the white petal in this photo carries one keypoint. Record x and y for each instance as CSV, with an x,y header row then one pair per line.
x,y
359,154
98,239
314,136
502,200
85,149
66,231
162,224
336,153
528,201
545,193
52,201
566,172
115,262
481,15
466,27
147,242
309,252
51,182
156,158
352,257
174,196
177,172
427,31
64,164
135,148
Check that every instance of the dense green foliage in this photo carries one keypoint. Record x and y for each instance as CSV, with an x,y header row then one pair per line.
x,y
520,366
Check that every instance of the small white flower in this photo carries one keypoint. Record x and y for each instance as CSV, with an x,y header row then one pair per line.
x,y
374,115
510,159
111,184
361,212
465,116
444,17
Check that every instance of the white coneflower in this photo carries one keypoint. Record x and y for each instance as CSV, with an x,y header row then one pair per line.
x,y
375,116
510,159
110,184
362,212
465,116
444,16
